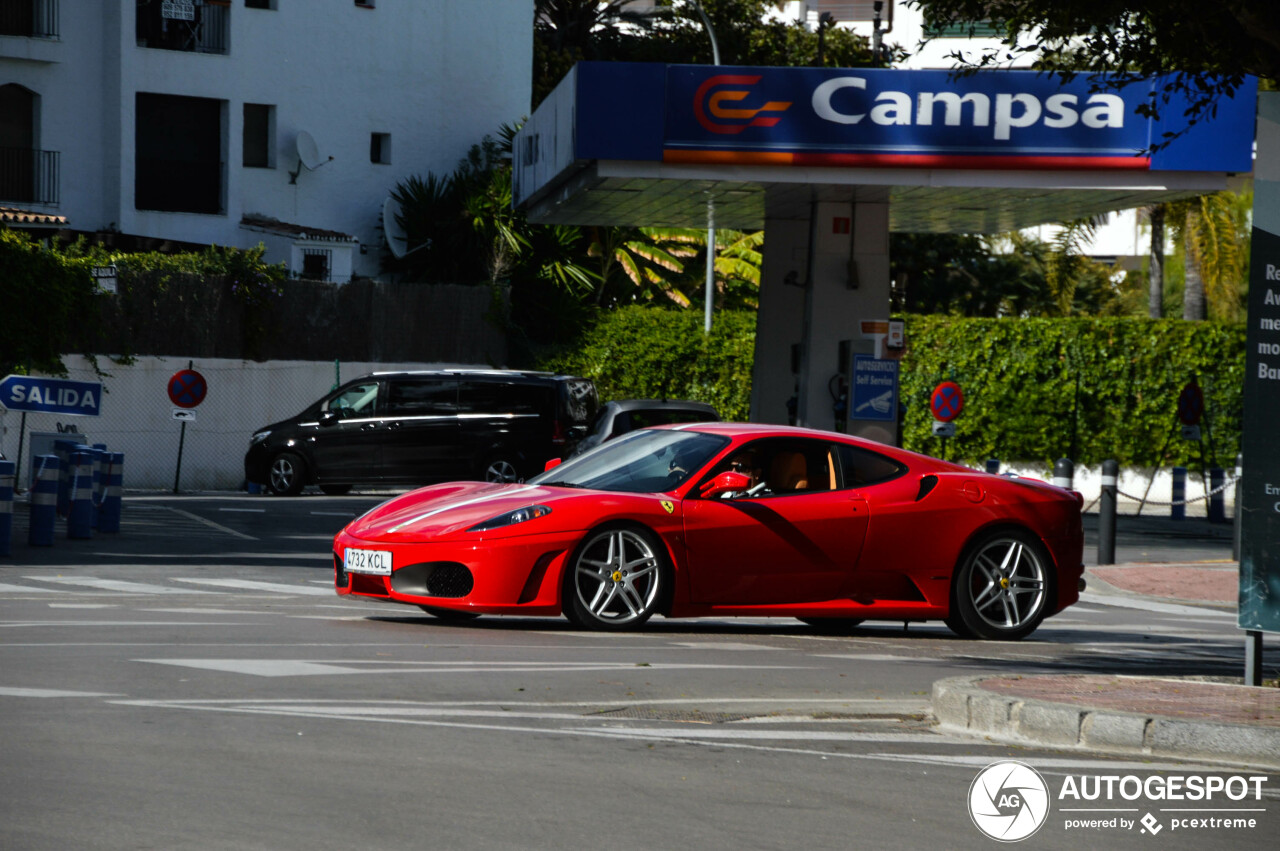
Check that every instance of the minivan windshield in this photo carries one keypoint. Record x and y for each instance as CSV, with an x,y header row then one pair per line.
x,y
646,461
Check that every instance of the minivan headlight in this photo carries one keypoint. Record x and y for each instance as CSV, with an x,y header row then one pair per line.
x,y
520,515
258,437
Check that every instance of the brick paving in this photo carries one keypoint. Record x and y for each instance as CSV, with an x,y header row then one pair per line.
x,y
1224,703
1206,583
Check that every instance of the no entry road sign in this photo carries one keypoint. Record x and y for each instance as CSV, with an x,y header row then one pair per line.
x,y
187,388
946,402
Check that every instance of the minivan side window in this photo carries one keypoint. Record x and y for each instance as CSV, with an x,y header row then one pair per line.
x,y
422,397
357,401
501,398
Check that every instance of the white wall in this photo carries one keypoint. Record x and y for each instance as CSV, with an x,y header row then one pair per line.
x,y
436,75
137,416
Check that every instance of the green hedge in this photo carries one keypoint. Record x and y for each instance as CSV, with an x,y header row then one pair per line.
x,y
1035,389
643,353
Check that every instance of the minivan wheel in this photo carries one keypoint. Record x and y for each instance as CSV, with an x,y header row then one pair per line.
x,y
287,474
500,468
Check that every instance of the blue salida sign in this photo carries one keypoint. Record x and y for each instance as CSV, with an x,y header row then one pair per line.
x,y
51,395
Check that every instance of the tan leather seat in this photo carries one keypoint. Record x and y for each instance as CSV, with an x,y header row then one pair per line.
x,y
788,472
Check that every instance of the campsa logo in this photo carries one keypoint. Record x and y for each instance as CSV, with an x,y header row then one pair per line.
x,y
723,105
1008,801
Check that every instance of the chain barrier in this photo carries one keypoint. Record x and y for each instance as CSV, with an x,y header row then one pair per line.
x,y
1227,482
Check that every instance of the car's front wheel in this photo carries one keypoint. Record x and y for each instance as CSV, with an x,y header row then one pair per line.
x,y
616,579
500,468
287,474
1002,588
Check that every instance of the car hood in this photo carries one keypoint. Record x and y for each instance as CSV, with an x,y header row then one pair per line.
x,y
447,511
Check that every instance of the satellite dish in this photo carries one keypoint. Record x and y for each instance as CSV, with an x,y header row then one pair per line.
x,y
308,155
397,239
308,151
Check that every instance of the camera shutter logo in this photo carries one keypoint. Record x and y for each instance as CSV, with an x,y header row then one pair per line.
x,y
1008,801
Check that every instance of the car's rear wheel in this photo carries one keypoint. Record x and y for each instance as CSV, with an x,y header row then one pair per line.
x,y
287,474
449,614
500,468
832,625
1002,588
616,579
336,490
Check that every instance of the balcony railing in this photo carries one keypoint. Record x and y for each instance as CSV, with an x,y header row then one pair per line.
x,y
161,25
28,176
29,18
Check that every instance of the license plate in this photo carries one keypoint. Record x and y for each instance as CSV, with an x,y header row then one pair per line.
x,y
377,562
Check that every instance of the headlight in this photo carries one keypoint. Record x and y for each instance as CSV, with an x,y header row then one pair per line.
x,y
520,515
258,437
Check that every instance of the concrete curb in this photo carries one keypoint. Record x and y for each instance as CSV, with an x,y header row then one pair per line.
x,y
962,706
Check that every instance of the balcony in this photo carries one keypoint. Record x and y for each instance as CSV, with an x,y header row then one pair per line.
x,y
192,26
28,176
29,18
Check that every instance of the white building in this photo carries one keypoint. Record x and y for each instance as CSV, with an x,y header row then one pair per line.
x,y
236,122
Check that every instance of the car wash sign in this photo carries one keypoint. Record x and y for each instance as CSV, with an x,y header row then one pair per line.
x,y
821,117
51,396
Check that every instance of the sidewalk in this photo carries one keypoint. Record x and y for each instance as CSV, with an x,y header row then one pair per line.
x,y
1150,717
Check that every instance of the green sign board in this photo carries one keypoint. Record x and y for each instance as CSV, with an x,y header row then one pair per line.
x,y
1260,487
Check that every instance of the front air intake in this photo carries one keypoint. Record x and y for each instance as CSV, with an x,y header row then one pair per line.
x,y
433,579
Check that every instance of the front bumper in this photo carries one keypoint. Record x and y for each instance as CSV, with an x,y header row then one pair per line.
x,y
517,575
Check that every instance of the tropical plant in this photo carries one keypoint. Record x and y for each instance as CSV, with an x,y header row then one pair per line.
x,y
1211,232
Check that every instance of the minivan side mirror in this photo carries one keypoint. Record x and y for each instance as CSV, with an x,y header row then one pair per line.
x,y
328,418
728,482
553,463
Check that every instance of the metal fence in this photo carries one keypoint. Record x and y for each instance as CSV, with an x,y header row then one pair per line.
x,y
29,176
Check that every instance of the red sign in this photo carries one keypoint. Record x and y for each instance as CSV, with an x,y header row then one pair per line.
x,y
946,402
187,388
1191,404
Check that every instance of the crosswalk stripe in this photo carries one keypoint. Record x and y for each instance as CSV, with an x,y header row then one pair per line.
x,y
115,585
25,589
252,585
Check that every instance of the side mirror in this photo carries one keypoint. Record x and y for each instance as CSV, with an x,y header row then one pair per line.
x,y
328,418
725,483
553,463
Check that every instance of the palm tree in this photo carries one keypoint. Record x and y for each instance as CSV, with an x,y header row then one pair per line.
x,y
1214,239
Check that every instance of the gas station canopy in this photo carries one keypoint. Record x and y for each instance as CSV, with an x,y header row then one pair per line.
x,y
652,144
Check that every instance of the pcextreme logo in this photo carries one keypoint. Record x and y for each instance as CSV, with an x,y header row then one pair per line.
x,y
721,109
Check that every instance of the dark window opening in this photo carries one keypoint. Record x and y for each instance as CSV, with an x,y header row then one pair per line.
x,y
29,18
27,175
259,4
380,148
316,263
178,154
422,397
257,135
184,25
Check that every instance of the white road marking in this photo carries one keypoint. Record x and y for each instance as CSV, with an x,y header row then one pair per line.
x,y
722,645
305,668
333,513
118,585
721,734
1153,606
48,692
246,510
252,585
209,523
66,623
877,657
82,605
25,589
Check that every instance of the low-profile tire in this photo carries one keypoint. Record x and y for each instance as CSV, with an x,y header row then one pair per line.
x,y
336,490
617,579
1002,590
500,468
832,625
449,614
287,474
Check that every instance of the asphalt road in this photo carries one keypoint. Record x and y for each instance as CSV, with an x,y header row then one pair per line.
x,y
195,683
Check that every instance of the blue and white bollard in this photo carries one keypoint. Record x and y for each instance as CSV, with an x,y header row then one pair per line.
x,y
101,458
80,520
7,470
44,501
63,449
1217,499
112,500
1178,510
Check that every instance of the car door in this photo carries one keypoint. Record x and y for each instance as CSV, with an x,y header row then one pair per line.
x,y
344,444
419,434
797,539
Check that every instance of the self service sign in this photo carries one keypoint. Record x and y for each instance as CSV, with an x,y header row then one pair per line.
x,y
51,395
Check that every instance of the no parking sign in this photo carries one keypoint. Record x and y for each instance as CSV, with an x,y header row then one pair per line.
x,y
187,388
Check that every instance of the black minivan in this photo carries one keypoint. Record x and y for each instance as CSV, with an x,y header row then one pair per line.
x,y
415,428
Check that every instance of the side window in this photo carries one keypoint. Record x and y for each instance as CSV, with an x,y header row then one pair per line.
x,y
358,401
861,467
420,397
783,466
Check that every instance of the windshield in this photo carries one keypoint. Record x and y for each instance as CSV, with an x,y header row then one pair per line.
x,y
640,462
